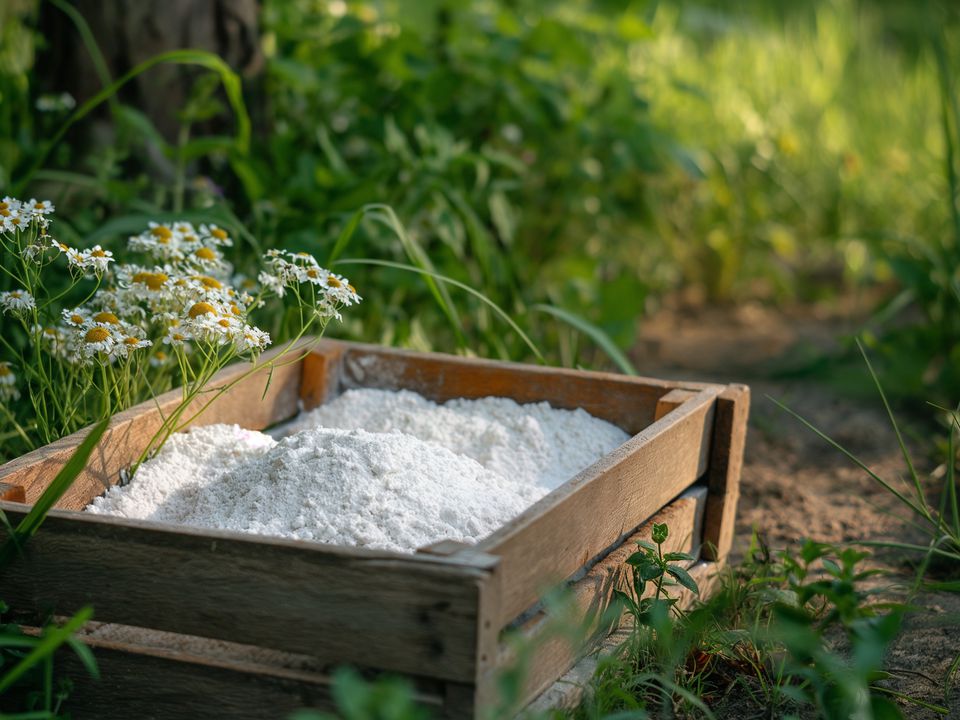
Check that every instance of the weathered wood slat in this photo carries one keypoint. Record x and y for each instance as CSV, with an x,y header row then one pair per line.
x,y
671,401
726,463
579,520
552,652
414,614
12,493
131,430
569,689
629,402
321,373
140,682
152,684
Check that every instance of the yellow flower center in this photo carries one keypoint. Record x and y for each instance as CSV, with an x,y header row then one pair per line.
x,y
5,370
106,317
76,319
4,212
160,355
311,273
49,331
95,335
208,281
152,280
131,341
3,205
303,254
234,309
219,234
333,282
201,308
352,288
205,253
97,253
162,233
223,323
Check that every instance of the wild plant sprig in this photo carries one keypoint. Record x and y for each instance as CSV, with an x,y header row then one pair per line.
x,y
178,319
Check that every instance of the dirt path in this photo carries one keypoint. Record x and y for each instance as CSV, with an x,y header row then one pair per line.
x,y
794,485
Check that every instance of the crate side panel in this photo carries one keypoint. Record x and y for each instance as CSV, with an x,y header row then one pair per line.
x,y
166,687
628,402
131,430
579,520
378,610
726,464
552,652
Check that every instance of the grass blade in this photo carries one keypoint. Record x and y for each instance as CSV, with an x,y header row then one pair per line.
x,y
857,461
604,341
229,79
456,283
48,644
896,428
343,239
420,259
64,479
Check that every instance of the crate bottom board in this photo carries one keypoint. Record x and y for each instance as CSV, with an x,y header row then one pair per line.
x,y
177,677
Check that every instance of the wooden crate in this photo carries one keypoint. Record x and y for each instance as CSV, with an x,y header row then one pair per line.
x,y
179,601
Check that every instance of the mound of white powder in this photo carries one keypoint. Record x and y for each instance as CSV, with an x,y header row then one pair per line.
x,y
372,468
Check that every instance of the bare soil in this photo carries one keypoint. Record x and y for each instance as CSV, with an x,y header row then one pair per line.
x,y
794,485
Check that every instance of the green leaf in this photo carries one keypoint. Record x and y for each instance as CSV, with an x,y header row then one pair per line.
x,y
649,570
684,578
63,480
677,556
603,340
85,654
476,293
832,568
346,234
51,639
228,79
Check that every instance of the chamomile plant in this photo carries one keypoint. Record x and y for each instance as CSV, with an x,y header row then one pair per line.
x,y
173,318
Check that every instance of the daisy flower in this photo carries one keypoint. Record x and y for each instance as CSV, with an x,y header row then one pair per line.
x,y
216,235
8,384
17,302
38,208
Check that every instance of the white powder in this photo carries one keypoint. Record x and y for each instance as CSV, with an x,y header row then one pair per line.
x,y
372,468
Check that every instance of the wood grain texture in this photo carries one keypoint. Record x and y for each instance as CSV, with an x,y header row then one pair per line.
x,y
152,684
671,401
414,614
600,506
131,430
726,464
589,599
12,493
629,402
320,380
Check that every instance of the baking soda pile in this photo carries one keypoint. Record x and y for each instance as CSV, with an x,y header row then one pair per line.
x,y
372,468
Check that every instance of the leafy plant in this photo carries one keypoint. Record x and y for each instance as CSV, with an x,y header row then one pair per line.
x,y
651,565
838,684
386,698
